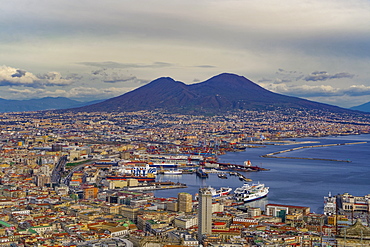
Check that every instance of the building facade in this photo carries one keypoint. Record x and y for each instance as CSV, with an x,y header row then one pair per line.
x,y
204,213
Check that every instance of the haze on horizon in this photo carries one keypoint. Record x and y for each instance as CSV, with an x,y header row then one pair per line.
x,y
88,49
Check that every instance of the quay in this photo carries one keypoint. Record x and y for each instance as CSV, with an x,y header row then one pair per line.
x,y
273,155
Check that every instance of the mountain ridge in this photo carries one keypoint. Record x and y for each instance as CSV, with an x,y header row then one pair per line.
x,y
363,107
45,103
220,93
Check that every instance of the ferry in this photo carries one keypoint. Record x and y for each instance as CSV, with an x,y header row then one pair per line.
x,y
250,192
172,172
141,173
223,191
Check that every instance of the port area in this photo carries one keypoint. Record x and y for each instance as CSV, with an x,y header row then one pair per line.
x,y
273,155
157,186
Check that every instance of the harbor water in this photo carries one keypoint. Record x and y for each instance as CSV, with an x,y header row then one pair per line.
x,y
299,182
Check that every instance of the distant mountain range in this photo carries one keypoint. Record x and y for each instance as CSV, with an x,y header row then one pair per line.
x,y
221,93
47,103
364,107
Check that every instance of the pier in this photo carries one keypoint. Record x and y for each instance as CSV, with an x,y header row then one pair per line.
x,y
273,155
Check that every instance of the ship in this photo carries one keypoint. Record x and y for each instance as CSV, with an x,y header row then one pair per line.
x,y
250,192
222,175
200,173
330,205
140,173
172,172
223,191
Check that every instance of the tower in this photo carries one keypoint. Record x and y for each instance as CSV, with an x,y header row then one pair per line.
x,y
204,213
185,202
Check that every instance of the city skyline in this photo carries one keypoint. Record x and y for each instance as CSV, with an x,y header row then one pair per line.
x,y
88,50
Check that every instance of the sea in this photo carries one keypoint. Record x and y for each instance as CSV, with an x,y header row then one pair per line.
x,y
298,182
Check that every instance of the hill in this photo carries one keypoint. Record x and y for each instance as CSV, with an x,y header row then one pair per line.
x,y
364,107
220,93
46,103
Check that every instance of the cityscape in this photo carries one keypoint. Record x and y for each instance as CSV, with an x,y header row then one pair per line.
x,y
87,179
204,123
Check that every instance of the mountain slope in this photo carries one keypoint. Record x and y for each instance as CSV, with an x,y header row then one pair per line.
x,y
220,93
46,103
364,107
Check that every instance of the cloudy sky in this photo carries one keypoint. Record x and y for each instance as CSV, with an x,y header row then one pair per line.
x,y
88,49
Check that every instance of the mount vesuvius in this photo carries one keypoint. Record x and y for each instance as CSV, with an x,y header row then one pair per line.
x,y
221,93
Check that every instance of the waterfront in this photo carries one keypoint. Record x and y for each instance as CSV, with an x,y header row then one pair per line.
x,y
296,181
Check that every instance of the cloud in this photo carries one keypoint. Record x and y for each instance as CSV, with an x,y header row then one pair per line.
x,y
323,76
319,91
79,93
205,66
17,77
19,73
112,65
357,90
114,76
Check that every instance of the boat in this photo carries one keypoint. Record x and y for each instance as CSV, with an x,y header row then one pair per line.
x,y
172,172
250,192
223,191
222,175
140,173
200,173
330,205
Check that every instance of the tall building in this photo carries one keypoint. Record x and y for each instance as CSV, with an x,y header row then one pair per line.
x,y
42,180
185,202
90,192
204,213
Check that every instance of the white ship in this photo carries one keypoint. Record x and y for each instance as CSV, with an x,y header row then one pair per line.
x,y
250,192
172,172
223,191
330,205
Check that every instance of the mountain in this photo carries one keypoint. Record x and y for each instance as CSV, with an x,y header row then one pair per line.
x,y
220,93
46,103
364,107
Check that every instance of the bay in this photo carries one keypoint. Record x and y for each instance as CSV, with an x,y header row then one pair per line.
x,y
299,182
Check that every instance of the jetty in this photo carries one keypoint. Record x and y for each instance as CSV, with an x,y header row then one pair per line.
x,y
273,155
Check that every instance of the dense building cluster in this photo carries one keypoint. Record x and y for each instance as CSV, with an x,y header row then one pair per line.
x,y
58,185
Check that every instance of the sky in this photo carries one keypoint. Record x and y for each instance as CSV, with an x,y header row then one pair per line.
x,y
87,49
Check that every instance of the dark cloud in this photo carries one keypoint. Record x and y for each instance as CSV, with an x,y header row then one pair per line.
x,y
112,65
118,79
323,76
19,73
205,66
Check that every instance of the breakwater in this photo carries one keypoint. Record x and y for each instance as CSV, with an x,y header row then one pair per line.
x,y
273,155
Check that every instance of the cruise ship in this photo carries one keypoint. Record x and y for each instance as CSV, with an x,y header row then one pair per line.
x,y
250,192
